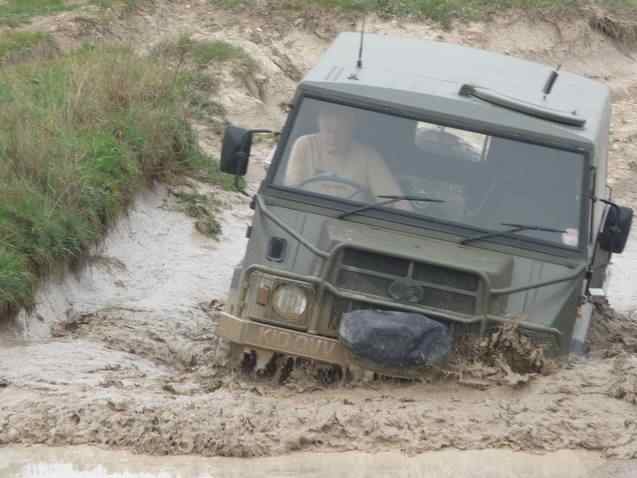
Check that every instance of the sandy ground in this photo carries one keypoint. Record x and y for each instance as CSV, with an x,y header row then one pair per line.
x,y
121,354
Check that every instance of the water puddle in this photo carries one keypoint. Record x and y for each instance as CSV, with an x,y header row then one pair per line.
x,y
85,462
153,260
622,291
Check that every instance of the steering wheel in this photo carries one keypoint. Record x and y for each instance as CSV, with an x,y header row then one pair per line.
x,y
358,189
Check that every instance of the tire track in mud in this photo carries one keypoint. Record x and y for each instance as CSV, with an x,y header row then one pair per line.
x,y
124,357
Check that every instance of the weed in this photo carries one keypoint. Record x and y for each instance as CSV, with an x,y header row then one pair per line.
x,y
207,170
442,11
206,52
203,53
81,134
126,6
16,45
16,283
203,209
15,11
209,226
189,57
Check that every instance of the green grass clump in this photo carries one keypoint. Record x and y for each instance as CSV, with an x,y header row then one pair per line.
x,y
16,11
16,282
203,53
211,51
19,44
440,10
80,135
191,59
203,209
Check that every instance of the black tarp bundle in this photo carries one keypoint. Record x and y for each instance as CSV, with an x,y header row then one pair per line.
x,y
395,339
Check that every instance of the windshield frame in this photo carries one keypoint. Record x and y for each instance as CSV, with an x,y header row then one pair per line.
x,y
426,223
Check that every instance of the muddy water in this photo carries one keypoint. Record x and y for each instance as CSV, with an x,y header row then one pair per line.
x,y
129,364
621,287
84,462
153,260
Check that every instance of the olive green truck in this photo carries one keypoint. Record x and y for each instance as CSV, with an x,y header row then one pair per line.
x,y
421,192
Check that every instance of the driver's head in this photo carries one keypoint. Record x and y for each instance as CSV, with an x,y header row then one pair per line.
x,y
336,125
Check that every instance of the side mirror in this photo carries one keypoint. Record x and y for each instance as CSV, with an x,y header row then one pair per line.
x,y
235,152
616,228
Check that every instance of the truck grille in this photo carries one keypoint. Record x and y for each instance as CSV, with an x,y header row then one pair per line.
x,y
407,281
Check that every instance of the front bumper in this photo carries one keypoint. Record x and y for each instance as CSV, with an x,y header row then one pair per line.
x,y
269,337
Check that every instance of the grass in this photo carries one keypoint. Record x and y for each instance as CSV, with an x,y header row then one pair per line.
x,y
192,59
80,135
16,11
204,52
18,44
203,209
126,4
442,11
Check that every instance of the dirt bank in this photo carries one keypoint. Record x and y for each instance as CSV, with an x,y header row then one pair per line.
x,y
121,354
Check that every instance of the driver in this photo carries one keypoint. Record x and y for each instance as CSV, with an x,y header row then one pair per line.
x,y
333,153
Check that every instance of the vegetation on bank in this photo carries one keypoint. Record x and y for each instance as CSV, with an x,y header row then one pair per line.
x,y
198,60
15,11
80,135
15,45
185,51
442,11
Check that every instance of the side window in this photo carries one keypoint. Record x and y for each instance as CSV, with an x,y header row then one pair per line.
x,y
445,142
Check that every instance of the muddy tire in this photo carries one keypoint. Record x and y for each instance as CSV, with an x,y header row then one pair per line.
x,y
360,375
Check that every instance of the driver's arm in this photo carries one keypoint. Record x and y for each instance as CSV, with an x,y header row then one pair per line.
x,y
381,180
300,162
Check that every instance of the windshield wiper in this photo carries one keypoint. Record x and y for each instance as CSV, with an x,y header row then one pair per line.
x,y
514,228
386,200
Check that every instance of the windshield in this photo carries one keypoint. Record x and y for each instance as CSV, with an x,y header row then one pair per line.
x,y
481,181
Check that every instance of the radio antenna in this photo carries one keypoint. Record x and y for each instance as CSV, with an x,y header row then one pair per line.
x,y
359,63
550,81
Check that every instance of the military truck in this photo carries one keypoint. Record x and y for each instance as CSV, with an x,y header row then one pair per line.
x,y
421,192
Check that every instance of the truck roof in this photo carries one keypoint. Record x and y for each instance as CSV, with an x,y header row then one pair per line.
x,y
428,75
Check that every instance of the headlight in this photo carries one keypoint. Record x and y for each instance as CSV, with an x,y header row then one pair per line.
x,y
290,302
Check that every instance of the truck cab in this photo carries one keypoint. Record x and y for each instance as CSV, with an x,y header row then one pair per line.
x,y
444,182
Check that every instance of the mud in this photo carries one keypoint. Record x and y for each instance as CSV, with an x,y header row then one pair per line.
x,y
138,372
83,461
121,354
504,357
612,333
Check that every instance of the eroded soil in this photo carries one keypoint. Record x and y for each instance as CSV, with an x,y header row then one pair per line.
x,y
121,353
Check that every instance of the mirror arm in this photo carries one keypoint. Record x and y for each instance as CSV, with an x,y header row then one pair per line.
x,y
590,269
252,132
237,186
244,155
